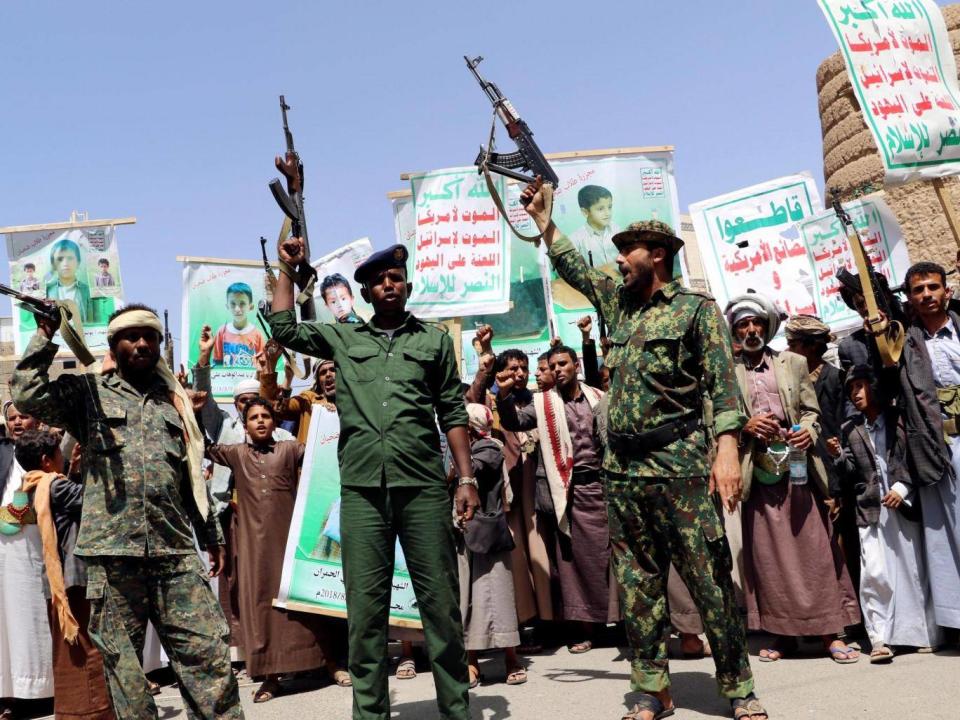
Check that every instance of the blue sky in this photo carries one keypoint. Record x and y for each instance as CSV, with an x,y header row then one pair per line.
x,y
168,111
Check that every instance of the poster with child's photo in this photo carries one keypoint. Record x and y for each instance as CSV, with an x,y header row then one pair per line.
x,y
597,197
336,293
226,295
80,265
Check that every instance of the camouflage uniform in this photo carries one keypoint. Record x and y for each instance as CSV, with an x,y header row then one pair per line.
x,y
665,356
136,535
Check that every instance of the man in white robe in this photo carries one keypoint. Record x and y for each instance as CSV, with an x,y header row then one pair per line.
x,y
26,648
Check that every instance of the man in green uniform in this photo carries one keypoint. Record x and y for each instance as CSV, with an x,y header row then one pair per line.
x,y
397,378
669,347
143,490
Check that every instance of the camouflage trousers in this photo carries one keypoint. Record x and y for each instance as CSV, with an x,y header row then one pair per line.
x,y
174,594
654,522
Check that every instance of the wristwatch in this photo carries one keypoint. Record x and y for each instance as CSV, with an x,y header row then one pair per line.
x,y
468,481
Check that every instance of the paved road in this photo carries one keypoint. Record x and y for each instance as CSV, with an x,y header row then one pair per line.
x,y
594,686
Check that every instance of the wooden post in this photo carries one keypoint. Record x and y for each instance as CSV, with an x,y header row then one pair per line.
x,y
943,195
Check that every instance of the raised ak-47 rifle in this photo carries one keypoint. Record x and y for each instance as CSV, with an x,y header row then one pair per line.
x,y
887,331
527,157
291,202
62,314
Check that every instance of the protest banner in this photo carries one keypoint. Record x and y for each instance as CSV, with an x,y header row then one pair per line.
x,y
526,325
76,261
900,62
224,294
461,257
337,294
619,185
312,579
828,250
749,239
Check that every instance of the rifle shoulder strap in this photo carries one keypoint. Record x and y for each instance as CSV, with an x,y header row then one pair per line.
x,y
72,334
491,188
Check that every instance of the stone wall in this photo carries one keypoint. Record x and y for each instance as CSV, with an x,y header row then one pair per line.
x,y
852,163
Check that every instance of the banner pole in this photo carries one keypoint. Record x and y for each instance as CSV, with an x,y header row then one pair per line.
x,y
943,195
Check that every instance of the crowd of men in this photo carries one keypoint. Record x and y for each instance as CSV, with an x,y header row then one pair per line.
x,y
689,478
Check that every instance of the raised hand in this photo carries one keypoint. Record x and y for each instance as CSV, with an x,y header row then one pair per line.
x,y
586,326
536,198
484,337
46,326
206,346
506,380
272,352
291,251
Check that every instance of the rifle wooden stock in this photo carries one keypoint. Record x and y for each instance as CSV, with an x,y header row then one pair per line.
x,y
889,334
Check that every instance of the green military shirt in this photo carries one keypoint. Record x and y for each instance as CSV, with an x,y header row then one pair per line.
x,y
665,355
137,499
391,394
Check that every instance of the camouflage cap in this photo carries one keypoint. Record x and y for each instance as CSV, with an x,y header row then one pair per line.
x,y
656,232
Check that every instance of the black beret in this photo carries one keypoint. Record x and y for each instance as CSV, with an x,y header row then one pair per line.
x,y
393,257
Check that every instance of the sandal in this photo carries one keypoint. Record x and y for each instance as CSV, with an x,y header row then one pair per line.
x,y
780,647
475,676
581,647
342,678
649,703
406,670
837,648
517,675
880,654
770,652
153,688
747,707
267,692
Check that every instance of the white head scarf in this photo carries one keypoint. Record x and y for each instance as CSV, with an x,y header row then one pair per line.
x,y
754,305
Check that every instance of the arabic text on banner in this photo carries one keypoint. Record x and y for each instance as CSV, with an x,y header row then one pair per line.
x,y
461,255
749,240
78,264
526,326
901,65
312,578
826,242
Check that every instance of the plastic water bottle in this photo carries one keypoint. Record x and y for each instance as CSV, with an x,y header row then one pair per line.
x,y
798,463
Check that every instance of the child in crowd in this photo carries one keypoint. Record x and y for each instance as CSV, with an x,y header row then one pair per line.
x,y
78,677
487,600
894,591
239,340
266,473
596,204
338,297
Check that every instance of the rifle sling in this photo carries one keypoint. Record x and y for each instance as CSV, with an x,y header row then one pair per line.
x,y
73,336
548,197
